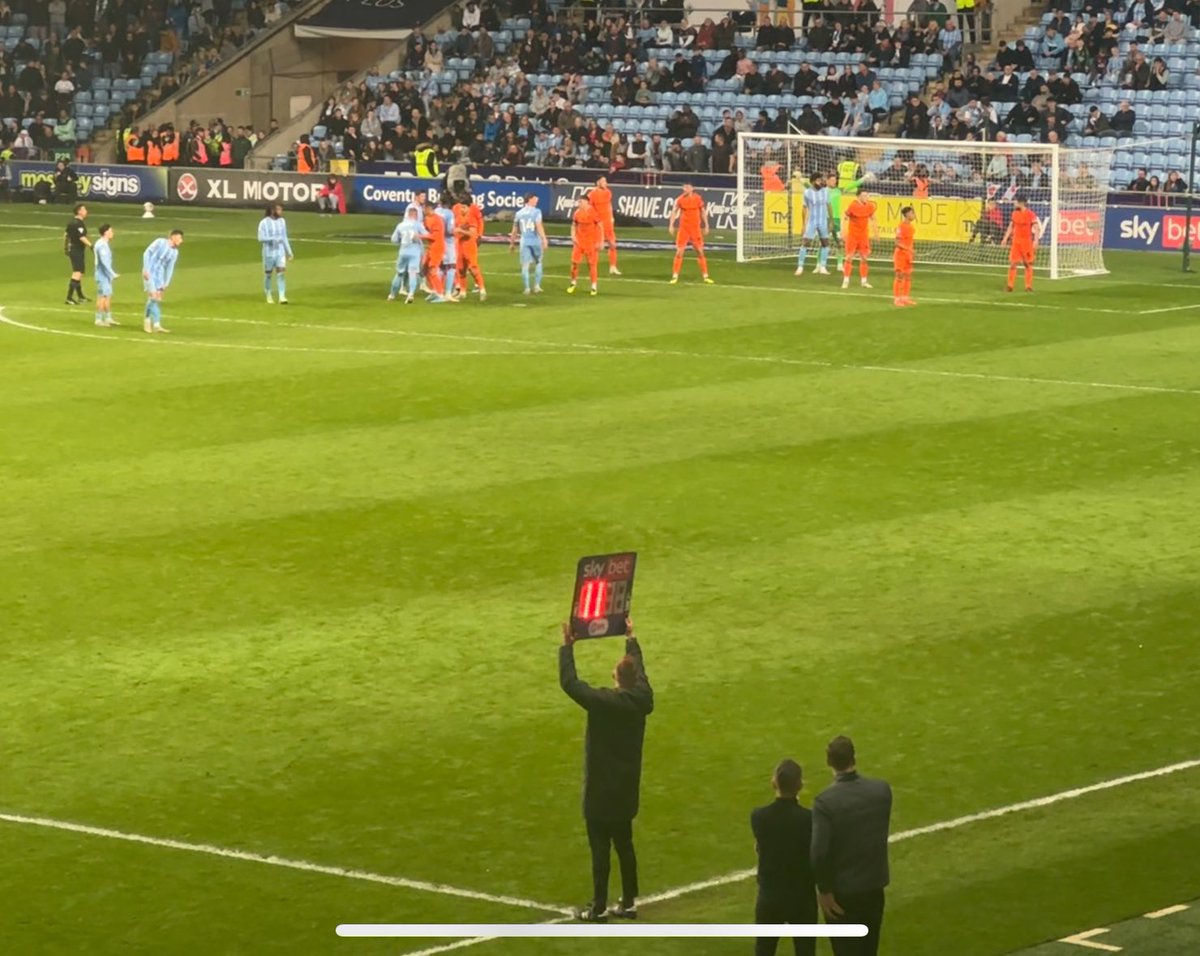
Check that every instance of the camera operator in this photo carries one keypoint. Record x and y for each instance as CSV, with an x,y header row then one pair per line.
x,y
66,181
616,727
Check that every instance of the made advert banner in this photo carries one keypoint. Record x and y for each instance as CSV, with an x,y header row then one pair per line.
x,y
107,183
391,194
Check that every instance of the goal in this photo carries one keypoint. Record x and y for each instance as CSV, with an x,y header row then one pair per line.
x,y
962,193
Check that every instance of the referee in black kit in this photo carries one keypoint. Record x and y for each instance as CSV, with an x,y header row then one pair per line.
x,y
851,818
75,245
616,727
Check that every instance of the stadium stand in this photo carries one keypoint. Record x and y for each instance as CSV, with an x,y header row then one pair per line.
x,y
68,70
608,92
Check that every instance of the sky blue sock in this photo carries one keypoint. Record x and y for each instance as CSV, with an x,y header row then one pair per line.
x,y
267,283
525,275
149,302
823,256
396,280
803,255
449,280
414,281
282,282
156,312
537,274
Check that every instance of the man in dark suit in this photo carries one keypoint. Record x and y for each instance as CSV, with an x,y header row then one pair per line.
x,y
783,840
612,755
850,848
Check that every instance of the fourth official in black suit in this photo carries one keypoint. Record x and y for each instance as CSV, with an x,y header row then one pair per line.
x,y
787,891
616,727
850,848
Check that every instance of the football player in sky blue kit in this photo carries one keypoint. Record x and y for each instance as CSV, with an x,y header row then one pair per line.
x,y
158,267
529,231
818,214
104,274
408,235
450,259
276,251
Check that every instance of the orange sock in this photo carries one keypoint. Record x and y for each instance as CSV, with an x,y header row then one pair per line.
x,y
703,263
592,264
907,285
434,278
678,263
846,267
1028,277
897,287
612,256
1012,275
477,275
862,269
574,272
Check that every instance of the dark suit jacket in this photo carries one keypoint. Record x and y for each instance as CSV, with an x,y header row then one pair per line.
x,y
783,832
850,835
616,727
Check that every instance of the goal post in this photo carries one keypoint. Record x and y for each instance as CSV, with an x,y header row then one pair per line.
x,y
963,194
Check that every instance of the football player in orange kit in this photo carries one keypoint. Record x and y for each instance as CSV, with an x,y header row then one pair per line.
x,y
435,251
468,226
601,198
1024,230
859,225
585,237
902,258
691,214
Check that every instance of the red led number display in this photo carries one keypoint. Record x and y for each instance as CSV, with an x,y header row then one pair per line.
x,y
600,597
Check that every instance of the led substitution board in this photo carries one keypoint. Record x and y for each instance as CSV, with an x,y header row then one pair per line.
x,y
603,593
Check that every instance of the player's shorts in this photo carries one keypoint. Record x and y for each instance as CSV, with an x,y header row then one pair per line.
x,y
156,282
77,260
903,261
816,231
103,287
468,255
409,261
684,239
608,230
435,254
273,260
531,254
579,253
1020,254
857,247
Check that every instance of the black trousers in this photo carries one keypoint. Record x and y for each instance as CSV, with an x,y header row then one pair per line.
x,y
604,836
799,907
864,908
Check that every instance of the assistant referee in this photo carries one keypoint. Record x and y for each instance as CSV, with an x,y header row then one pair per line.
x,y
75,246
616,727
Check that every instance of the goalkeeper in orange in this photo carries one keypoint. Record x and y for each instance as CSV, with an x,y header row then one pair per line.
x,y
858,226
902,257
585,239
468,227
1024,230
601,198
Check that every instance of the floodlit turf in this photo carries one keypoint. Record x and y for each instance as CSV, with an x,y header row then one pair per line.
x,y
288,581
1161,932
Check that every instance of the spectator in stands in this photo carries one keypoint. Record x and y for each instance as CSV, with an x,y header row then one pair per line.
x,y
722,158
64,132
676,158
950,42
1175,183
806,80
1123,120
1007,86
776,81
1176,30
1053,45
698,156
1097,123
1155,185
833,112
1136,75
1140,183
1160,76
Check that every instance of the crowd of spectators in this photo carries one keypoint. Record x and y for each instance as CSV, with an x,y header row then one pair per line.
x,y
67,46
639,58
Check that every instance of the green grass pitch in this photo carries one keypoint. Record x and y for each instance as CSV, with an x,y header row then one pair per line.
x,y
288,581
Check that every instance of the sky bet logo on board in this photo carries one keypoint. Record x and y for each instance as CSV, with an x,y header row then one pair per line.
x,y
1140,230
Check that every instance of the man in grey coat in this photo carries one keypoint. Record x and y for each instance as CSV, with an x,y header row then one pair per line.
x,y
612,755
851,818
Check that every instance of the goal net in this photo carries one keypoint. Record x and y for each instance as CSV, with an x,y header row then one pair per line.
x,y
962,193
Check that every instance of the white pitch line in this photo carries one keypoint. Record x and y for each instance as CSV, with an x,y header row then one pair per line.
x,y
144,339
1084,939
207,849
1167,911
1173,308
589,348
943,826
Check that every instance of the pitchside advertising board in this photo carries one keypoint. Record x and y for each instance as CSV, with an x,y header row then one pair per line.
x,y
1149,230
244,187
651,205
392,194
938,220
99,183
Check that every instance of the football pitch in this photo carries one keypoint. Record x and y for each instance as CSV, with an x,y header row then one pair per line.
x,y
280,591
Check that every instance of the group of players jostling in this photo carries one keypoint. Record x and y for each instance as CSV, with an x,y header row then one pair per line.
x,y
439,246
